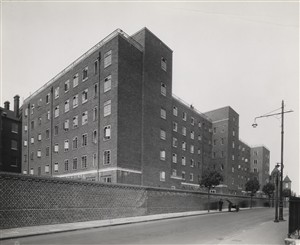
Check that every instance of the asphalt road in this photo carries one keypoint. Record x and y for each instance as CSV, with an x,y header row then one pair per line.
x,y
254,226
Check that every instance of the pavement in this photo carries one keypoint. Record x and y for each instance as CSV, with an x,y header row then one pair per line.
x,y
57,228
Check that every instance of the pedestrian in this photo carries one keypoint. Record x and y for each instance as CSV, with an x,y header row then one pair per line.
x,y
220,204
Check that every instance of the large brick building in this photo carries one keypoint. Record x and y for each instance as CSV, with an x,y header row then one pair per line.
x,y
10,137
111,116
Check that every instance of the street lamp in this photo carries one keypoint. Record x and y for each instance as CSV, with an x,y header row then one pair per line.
x,y
254,125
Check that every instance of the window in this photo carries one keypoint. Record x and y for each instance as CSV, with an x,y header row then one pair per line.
x,y
66,145
75,80
39,153
95,113
175,142
163,89
47,133
40,121
48,115
31,171
232,157
56,111
163,113
96,66
26,112
75,143
214,142
84,96
85,74
75,122
199,151
94,159
175,111
74,163
163,64
66,163
192,163
184,116
32,140
14,145
106,157
162,134
107,132
84,140
14,128
67,105
199,124
32,109
233,144
183,145
106,179
175,126
25,172
25,128
84,118
222,153
39,137
95,138
183,130
214,155
255,161
107,108
84,162
56,92
95,90
75,101
183,175
233,133
48,98
174,158
32,124
47,151
107,59
56,148
222,141
162,155
47,169
232,169
192,149
192,135
162,176
25,142
183,160
107,84
191,177
215,130
174,172
67,86
56,130
66,125
31,155
192,121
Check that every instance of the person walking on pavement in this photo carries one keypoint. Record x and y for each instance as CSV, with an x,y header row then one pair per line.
x,y
220,204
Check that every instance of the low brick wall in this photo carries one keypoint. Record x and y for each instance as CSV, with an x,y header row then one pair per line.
x,y
30,200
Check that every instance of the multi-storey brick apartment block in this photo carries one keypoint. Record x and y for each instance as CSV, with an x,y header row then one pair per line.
x,y
10,137
111,116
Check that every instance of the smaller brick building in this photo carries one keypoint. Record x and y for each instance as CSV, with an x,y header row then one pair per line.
x,y
10,137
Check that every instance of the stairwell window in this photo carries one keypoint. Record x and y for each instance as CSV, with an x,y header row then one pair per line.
x,y
95,113
183,130
107,108
106,157
107,84
85,74
107,59
163,64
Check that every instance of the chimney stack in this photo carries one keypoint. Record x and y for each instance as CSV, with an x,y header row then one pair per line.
x,y
6,105
16,105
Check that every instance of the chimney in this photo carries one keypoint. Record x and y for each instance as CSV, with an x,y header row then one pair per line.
x,y
16,105
6,105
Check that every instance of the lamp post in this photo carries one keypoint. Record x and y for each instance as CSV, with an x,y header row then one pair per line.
x,y
254,125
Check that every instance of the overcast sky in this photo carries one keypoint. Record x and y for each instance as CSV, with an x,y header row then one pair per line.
x,y
245,55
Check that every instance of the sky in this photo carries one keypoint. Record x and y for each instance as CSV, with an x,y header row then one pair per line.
x,y
239,54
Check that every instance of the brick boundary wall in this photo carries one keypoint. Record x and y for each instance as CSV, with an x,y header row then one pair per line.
x,y
33,200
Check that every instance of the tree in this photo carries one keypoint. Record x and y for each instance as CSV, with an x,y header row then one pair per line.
x,y
209,179
286,192
268,189
252,186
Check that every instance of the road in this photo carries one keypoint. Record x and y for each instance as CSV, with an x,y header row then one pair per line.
x,y
254,226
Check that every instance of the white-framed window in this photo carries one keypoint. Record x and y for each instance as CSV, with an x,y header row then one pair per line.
x,y
163,89
95,137
199,137
232,169
31,171
175,126
67,105
25,143
67,86
84,140
192,120
14,128
66,145
26,112
56,148
107,84
66,164
192,163
174,158
163,113
107,108
39,137
106,157
24,171
56,93
14,145
39,153
47,169
75,143
174,172
162,176
175,142
184,116
175,111
107,59
25,128
75,121
95,113
183,144
183,130
66,125
32,109
192,149
107,132
85,74
56,111
183,175
48,115
183,160
75,80
75,161
32,140
75,101
191,177
106,179
84,119
162,134
232,157
162,155
84,162
192,134
163,64
84,96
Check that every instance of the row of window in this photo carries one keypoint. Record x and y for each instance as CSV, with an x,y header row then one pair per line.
x,y
174,159
162,175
